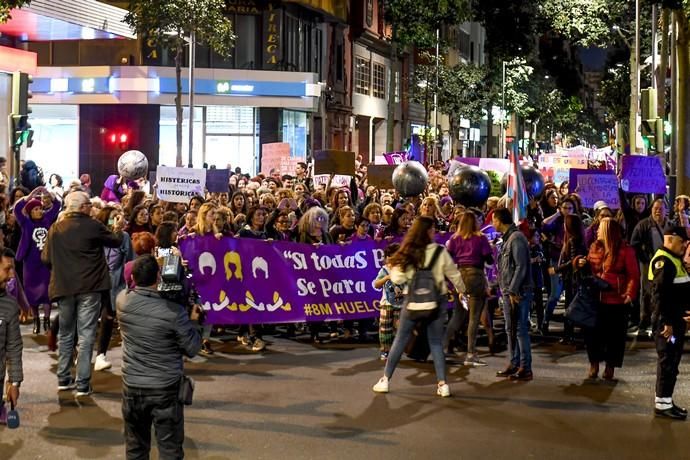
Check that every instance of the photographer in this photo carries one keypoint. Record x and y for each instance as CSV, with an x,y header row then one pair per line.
x,y
155,334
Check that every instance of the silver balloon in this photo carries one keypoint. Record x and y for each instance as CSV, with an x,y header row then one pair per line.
x,y
410,178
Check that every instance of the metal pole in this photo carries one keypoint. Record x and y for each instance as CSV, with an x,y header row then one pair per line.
x,y
192,59
635,93
655,84
436,130
503,114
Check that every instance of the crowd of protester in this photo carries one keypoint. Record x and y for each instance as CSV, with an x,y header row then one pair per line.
x,y
515,271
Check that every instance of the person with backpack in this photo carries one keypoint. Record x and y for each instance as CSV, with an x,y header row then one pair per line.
x,y
423,265
391,302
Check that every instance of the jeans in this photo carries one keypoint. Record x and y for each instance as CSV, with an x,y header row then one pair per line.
x,y
143,407
434,330
517,328
78,318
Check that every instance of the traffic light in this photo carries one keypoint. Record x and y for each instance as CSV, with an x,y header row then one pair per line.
x,y
120,139
653,134
22,134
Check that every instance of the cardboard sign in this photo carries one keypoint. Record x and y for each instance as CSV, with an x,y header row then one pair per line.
x,y
338,180
556,167
642,174
179,185
217,180
592,187
276,155
334,162
380,176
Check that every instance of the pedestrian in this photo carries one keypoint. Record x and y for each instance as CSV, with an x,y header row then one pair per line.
x,y
670,286
611,259
10,336
156,333
35,223
647,237
418,250
515,281
391,302
470,250
79,276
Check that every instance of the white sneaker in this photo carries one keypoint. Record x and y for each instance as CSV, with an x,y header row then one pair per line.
x,y
443,390
381,386
102,363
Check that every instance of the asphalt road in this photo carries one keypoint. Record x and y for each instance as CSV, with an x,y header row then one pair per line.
x,y
298,401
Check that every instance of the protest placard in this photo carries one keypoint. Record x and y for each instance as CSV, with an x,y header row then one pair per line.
x,y
276,155
396,158
380,176
334,162
338,180
179,185
593,186
642,174
217,180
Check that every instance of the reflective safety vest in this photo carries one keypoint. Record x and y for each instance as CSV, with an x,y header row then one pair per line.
x,y
681,274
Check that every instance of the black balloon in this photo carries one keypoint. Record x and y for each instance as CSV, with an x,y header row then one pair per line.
x,y
470,186
410,178
534,181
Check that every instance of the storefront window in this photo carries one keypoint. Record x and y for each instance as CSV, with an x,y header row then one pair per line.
x,y
56,125
168,143
230,137
295,131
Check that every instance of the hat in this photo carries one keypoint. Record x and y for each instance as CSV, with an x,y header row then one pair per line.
x,y
601,204
676,230
33,203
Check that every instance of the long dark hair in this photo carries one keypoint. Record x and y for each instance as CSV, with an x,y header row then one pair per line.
x,y
393,228
574,229
413,248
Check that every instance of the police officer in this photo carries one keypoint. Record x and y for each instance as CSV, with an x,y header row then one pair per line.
x,y
670,291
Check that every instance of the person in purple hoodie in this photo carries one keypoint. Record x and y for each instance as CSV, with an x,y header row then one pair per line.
x,y
34,222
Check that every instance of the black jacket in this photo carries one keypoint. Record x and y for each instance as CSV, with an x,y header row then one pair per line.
x,y
646,238
74,252
670,292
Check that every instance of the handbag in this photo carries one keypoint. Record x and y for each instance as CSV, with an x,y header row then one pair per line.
x,y
582,310
185,393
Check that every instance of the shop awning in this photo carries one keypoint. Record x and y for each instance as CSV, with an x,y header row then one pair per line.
x,y
46,20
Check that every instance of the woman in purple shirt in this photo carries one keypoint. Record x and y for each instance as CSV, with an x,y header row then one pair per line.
x,y
471,251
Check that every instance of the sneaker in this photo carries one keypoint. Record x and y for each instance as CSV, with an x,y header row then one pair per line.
x,y
443,390
474,361
71,385
243,339
206,349
84,391
383,356
381,386
258,345
102,363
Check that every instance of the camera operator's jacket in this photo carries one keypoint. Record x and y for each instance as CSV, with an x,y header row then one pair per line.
x,y
155,335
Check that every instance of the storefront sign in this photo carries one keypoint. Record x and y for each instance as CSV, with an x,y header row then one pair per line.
x,y
242,7
179,185
272,51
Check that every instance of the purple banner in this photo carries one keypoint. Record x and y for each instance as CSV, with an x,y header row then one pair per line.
x,y
246,281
